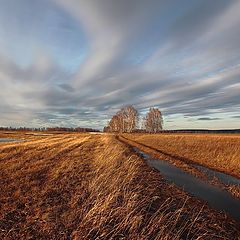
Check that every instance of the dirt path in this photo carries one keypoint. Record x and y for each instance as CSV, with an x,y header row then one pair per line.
x,y
186,164
82,186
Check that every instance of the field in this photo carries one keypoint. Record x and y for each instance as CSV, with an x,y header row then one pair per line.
x,y
217,151
93,186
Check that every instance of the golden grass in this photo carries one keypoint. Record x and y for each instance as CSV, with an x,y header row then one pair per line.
x,y
80,186
221,152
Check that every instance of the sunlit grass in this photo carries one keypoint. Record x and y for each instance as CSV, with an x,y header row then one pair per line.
x,y
84,186
217,151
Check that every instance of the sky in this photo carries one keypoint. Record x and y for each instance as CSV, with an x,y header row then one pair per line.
x,y
74,63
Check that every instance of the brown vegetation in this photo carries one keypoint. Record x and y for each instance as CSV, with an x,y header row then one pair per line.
x,y
217,151
84,186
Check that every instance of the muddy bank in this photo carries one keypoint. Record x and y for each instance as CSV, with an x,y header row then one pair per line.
x,y
223,177
214,196
218,152
77,186
213,177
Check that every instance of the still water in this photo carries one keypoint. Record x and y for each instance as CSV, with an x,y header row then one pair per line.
x,y
216,197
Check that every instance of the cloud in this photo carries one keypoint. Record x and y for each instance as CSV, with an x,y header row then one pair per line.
x,y
208,119
66,87
112,28
180,56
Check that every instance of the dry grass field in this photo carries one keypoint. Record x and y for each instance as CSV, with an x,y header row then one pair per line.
x,y
83,186
217,151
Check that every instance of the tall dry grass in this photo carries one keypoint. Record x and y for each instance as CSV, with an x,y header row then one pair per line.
x,y
218,151
76,186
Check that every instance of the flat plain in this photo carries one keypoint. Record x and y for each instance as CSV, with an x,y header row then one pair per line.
x,y
93,186
217,151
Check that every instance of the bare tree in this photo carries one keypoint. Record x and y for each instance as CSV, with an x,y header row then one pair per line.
x,y
153,121
130,118
115,123
124,120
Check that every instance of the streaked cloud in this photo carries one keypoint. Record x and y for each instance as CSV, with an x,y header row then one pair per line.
x,y
208,119
77,62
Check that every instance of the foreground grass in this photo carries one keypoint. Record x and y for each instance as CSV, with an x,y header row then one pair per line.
x,y
76,186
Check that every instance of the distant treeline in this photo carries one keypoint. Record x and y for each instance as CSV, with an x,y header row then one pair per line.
x,y
202,131
192,131
50,129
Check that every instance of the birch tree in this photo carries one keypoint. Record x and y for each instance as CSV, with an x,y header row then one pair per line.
x,y
153,121
124,120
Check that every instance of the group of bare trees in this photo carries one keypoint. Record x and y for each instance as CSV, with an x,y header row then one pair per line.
x,y
127,119
153,120
124,120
